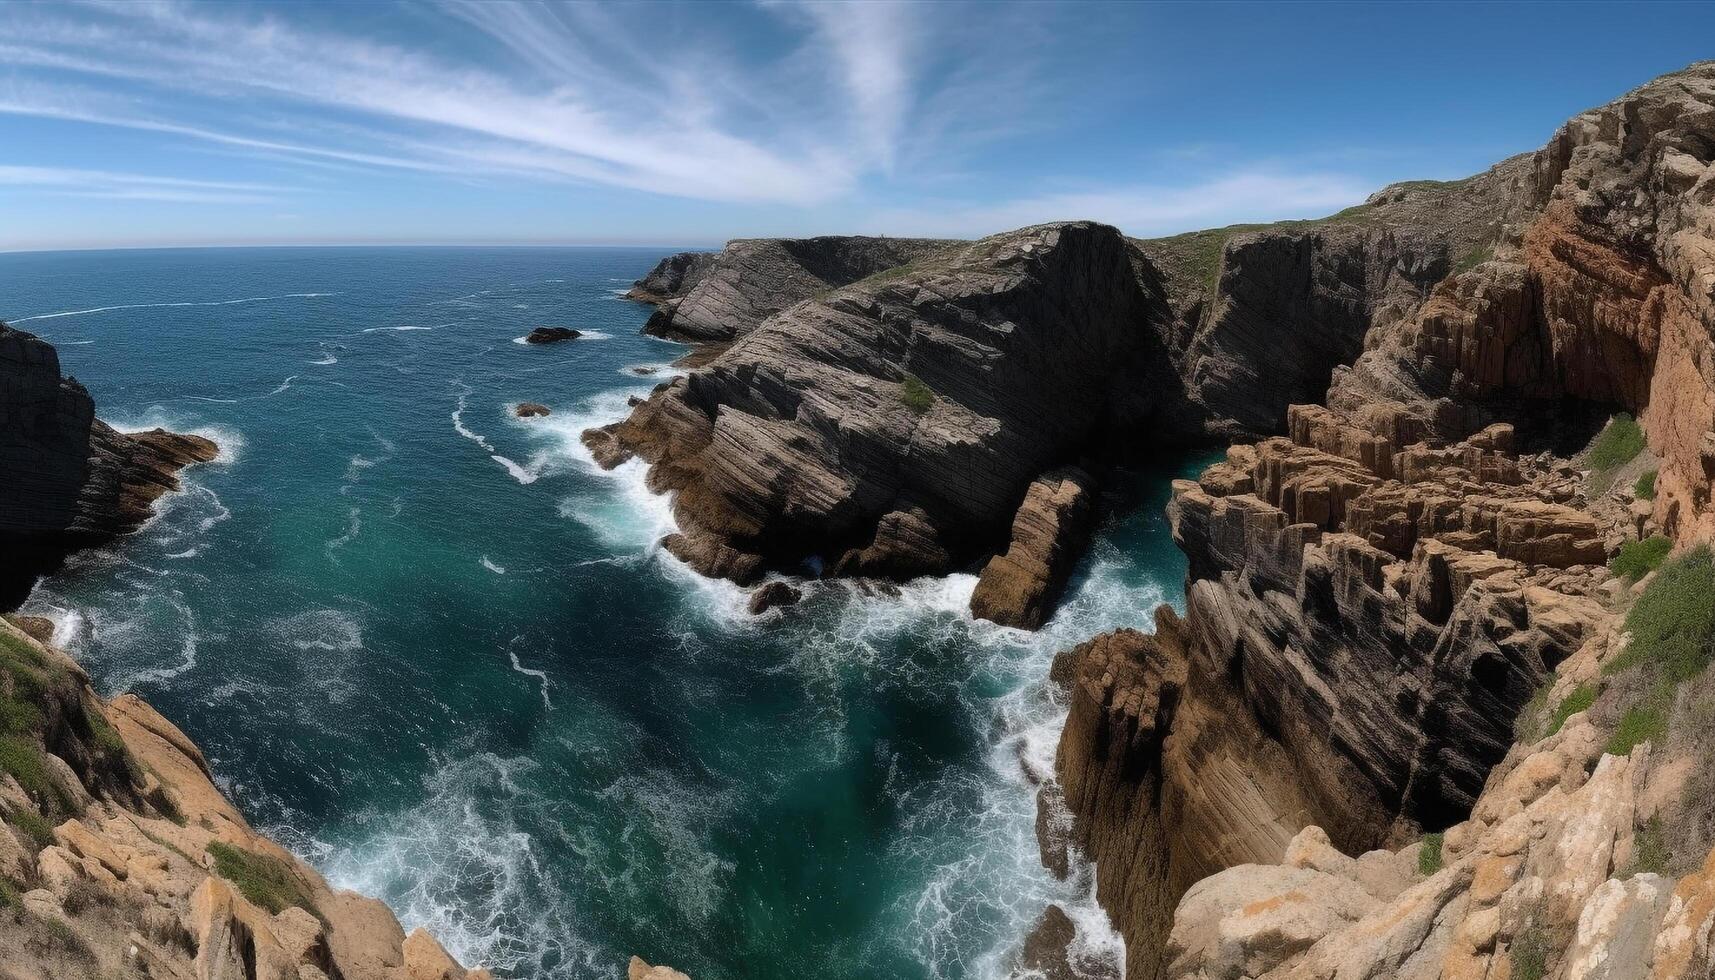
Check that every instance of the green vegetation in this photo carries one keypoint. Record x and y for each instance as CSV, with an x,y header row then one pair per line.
x,y
1581,698
1475,257
1429,858
33,825
1673,640
1641,723
1619,442
1639,558
1673,622
9,897
22,758
1529,955
266,881
916,395
1650,853
1645,487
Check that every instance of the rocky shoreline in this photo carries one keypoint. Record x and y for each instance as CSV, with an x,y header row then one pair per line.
x,y
120,857
1407,726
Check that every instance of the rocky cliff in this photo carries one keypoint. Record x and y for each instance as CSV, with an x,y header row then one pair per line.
x,y
893,427
67,479
1400,619
120,858
709,297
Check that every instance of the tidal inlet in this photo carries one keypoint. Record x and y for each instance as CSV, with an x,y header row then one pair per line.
x,y
856,490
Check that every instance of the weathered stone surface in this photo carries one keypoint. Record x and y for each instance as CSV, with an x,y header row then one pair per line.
x,y
776,593
637,969
131,878
731,292
530,410
1019,588
801,441
672,277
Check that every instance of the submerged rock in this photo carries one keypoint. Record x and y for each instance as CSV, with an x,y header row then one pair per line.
x,y
551,335
776,593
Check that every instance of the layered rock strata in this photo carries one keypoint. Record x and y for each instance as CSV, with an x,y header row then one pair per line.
x,y
893,428
711,297
1551,875
1354,651
67,479
120,857
1374,600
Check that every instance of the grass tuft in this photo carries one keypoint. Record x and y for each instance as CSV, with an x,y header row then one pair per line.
x,y
1429,857
1617,444
1529,955
1650,854
916,395
1639,558
1644,489
1673,622
1581,698
267,881
33,824
1641,723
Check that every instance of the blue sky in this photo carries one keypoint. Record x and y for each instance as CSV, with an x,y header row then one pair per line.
x,y
661,123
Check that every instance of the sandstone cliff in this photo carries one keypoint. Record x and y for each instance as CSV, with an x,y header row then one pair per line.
x,y
67,479
1383,603
120,857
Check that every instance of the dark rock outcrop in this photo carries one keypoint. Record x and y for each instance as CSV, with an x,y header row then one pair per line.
x,y
891,428
672,277
530,410
67,479
733,291
551,335
772,594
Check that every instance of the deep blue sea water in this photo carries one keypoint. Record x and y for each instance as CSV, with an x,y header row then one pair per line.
x,y
433,649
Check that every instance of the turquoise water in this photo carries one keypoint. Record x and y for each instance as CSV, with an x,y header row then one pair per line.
x,y
435,651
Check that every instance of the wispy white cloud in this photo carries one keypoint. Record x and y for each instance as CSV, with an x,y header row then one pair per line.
x,y
1141,210
140,187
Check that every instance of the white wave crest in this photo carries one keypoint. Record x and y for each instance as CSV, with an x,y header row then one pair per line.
x,y
149,306
491,566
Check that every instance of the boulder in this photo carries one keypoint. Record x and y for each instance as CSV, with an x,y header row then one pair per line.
x,y
551,335
530,410
772,594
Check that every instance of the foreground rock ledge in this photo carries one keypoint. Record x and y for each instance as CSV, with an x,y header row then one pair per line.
x,y
130,862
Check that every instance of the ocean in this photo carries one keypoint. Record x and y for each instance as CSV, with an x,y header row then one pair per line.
x,y
433,649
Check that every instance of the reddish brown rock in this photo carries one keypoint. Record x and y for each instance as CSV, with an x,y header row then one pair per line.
x,y
1019,588
773,594
530,410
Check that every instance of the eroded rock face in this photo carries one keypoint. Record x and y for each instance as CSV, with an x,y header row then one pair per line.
x,y
1374,599
733,291
892,428
672,277
67,479
131,851
1019,588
